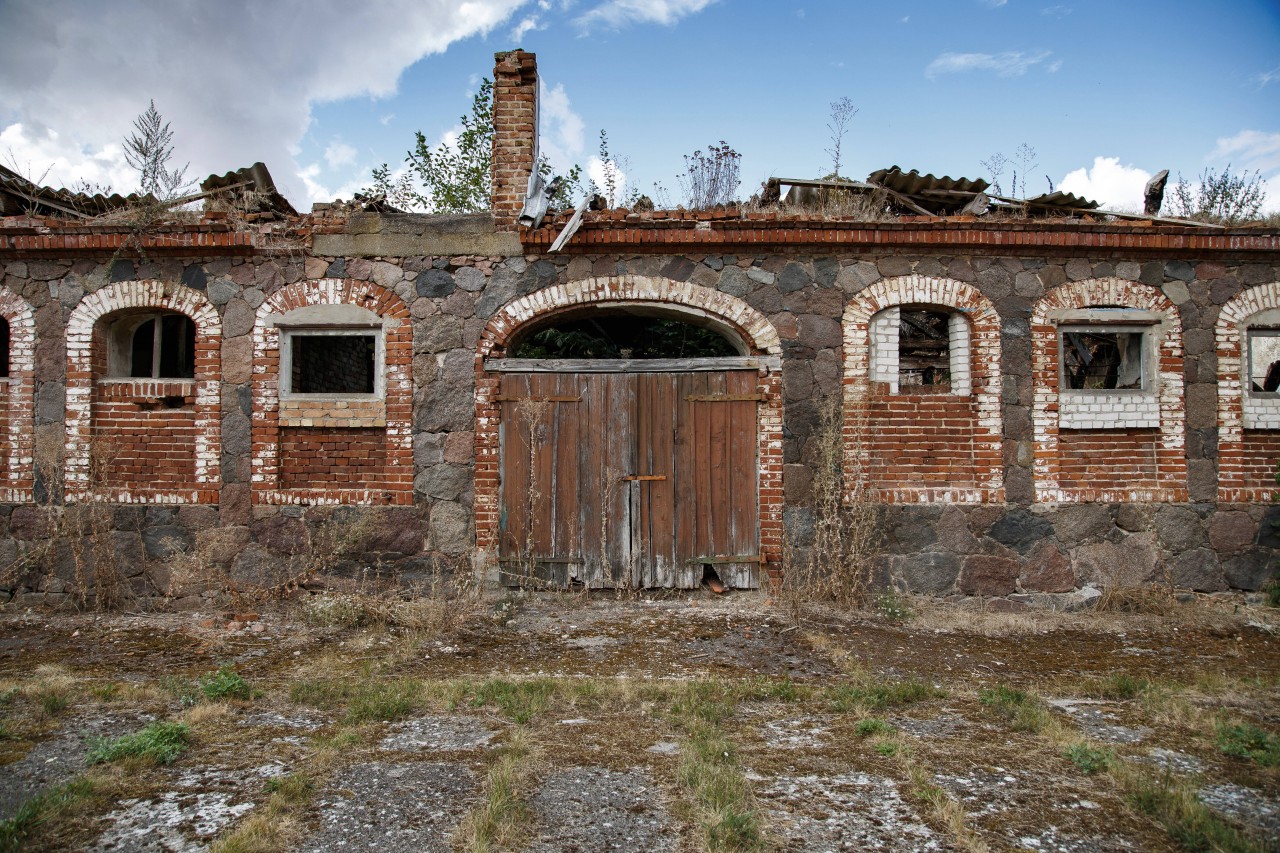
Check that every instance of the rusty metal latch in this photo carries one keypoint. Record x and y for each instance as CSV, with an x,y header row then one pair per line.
x,y
724,398
645,477
508,399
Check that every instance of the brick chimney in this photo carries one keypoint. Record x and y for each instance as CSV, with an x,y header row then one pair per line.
x,y
515,130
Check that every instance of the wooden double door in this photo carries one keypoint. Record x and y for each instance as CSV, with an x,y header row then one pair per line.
x,y
629,479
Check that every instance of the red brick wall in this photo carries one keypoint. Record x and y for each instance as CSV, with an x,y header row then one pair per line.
x,y
144,435
355,427
316,458
4,427
917,441
1123,458
1261,453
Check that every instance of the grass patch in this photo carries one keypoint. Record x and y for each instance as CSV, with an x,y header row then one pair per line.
x,y
709,769
181,689
366,700
1120,686
225,683
17,830
872,726
876,695
1089,759
1247,741
501,821
1024,710
158,742
518,701
1187,820
277,824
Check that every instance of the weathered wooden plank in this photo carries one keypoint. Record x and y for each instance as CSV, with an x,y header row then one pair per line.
x,y
725,398
558,399
631,365
743,528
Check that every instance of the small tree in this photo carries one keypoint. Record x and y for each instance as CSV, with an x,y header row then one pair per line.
x,y
712,178
149,149
1221,197
842,112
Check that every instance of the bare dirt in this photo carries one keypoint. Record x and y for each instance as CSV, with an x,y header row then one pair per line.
x,y
606,748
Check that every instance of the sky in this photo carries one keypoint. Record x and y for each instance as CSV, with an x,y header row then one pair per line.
x,y
1104,92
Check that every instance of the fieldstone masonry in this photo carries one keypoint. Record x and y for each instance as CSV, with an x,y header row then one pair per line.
x,y
986,490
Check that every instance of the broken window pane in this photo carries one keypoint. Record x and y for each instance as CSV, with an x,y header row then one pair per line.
x,y
623,336
332,364
1102,359
163,347
924,350
1264,360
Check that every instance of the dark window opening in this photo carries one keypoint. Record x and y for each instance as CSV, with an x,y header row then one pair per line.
x,y
4,348
1102,360
163,347
332,364
924,350
1264,360
628,336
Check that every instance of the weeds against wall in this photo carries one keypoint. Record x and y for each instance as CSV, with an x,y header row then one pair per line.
x,y
837,567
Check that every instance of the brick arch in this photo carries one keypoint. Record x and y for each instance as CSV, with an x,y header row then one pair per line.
x,y
1246,459
204,389
876,417
1165,452
18,410
722,309
390,434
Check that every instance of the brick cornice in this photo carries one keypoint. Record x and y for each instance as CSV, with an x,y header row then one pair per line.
x,y
611,231
68,241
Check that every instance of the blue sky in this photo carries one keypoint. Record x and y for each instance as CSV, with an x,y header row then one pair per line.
x,y
1106,93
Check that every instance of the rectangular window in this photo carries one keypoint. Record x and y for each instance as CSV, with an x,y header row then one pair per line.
x,y
1264,361
334,362
1104,358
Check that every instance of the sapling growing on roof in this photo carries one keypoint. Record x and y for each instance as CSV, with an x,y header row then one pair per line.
x,y
149,149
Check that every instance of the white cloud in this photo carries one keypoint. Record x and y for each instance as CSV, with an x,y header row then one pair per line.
x,y
994,4
1112,185
596,172
1265,77
84,70
1007,64
1054,67
526,26
616,14
904,19
386,119
562,139
1056,11
339,154
50,158
1250,149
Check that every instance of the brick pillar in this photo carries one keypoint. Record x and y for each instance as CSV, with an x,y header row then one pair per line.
x,y
515,129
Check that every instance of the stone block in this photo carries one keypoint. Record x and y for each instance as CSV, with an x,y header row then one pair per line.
x,y
929,572
1179,529
1197,569
1020,530
1231,532
1251,570
1047,569
984,574
1130,562
450,529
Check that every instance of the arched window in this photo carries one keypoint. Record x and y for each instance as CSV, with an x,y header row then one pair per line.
x,y
1248,348
922,371
151,345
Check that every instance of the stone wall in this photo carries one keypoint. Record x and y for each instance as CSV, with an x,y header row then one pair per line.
x,y
1017,539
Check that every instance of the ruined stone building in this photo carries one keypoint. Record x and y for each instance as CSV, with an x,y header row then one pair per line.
x,y
1035,404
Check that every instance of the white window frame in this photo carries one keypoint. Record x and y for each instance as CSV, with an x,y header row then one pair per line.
x,y
374,330
1111,408
885,331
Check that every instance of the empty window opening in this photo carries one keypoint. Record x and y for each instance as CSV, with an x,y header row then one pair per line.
x,y
4,348
333,363
161,346
1264,361
924,350
625,336
1102,359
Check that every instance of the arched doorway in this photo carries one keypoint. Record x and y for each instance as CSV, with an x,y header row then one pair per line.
x,y
629,445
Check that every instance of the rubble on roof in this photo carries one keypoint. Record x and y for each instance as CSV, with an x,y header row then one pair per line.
x,y
248,191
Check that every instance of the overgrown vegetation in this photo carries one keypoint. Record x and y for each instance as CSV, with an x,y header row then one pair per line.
x,y
1247,741
159,742
1225,198
149,149
712,178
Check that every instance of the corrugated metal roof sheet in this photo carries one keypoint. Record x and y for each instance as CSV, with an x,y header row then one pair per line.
x,y
22,195
259,181
1064,201
915,184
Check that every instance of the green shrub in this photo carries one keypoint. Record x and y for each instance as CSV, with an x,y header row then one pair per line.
x,y
882,694
872,726
1089,759
225,683
1249,742
159,742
